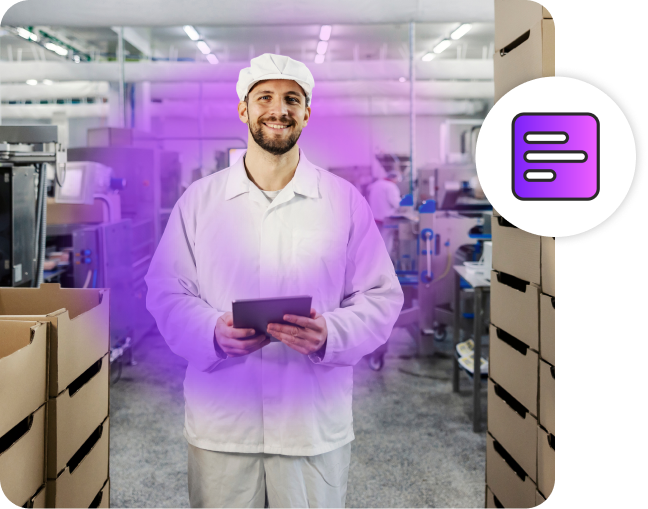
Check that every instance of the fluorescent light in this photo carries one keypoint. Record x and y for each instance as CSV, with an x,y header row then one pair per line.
x,y
26,34
191,32
442,46
31,82
461,31
321,47
77,59
56,49
325,32
402,79
203,47
428,56
47,82
319,59
211,58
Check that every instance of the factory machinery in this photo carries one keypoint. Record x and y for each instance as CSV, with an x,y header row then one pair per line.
x,y
96,213
447,228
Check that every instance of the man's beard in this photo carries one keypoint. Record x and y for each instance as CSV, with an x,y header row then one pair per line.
x,y
275,147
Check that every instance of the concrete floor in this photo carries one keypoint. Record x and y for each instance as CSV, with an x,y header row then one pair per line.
x,y
414,443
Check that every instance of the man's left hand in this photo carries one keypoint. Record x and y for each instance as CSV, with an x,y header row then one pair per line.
x,y
308,338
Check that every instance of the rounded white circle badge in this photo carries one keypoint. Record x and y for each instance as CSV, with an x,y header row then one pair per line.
x,y
555,156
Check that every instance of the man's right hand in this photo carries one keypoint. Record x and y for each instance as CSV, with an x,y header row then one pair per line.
x,y
229,338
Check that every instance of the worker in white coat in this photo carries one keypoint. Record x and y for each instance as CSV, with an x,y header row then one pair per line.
x,y
271,419
384,199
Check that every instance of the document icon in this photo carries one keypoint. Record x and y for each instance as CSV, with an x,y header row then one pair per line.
x,y
555,156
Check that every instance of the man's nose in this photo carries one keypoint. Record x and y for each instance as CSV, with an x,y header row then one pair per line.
x,y
279,108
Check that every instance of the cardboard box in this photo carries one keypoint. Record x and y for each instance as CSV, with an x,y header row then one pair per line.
x,y
22,458
23,370
38,500
515,308
539,498
548,260
104,497
79,329
490,500
546,462
530,56
85,474
515,251
514,17
514,366
513,426
75,413
548,328
512,486
547,397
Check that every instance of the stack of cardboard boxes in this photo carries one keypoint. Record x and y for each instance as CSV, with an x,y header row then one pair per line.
x,y
520,443
23,398
520,448
74,411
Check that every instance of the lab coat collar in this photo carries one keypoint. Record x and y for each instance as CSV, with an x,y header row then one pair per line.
x,y
304,182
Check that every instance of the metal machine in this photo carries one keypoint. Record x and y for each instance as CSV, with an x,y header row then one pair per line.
x,y
24,153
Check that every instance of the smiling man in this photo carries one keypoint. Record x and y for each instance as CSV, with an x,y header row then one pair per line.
x,y
271,421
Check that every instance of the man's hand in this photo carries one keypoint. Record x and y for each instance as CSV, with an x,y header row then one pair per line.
x,y
308,338
229,338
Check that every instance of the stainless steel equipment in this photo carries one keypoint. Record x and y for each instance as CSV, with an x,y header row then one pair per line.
x,y
24,152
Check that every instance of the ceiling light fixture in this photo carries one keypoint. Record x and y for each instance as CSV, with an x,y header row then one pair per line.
x,y
77,59
59,50
211,58
429,56
402,79
191,32
325,32
319,59
460,31
47,82
442,46
322,46
203,47
32,82
26,34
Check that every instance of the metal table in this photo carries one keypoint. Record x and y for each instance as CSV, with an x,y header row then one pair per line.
x,y
480,284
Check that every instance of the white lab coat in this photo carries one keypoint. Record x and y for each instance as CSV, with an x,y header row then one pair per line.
x,y
384,198
224,242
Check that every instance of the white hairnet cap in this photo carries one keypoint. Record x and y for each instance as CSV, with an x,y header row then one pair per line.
x,y
274,67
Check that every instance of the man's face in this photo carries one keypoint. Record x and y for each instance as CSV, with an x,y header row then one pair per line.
x,y
276,113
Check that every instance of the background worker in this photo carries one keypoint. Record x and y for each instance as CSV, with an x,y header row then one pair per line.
x,y
271,418
384,200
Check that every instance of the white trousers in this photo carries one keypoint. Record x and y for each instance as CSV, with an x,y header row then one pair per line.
x,y
224,479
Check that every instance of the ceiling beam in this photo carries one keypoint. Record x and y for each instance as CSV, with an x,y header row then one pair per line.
x,y
101,13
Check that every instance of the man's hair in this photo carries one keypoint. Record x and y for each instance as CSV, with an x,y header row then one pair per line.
x,y
262,81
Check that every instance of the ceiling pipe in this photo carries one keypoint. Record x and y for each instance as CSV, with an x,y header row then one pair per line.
x,y
440,69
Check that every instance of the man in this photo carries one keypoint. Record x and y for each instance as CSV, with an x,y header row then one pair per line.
x,y
271,419
384,200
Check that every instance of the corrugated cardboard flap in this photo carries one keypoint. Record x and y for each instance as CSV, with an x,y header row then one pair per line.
x,y
23,370
49,298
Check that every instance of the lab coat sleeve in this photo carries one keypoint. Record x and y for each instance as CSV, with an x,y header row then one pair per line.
x,y
372,300
184,319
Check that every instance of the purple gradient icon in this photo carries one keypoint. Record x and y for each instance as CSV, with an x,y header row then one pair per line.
x,y
555,156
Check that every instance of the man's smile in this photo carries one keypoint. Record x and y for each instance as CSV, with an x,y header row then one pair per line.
x,y
276,127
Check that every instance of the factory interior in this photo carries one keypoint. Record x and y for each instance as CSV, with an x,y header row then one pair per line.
x,y
108,114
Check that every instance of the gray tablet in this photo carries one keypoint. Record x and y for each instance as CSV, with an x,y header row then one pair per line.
x,y
258,313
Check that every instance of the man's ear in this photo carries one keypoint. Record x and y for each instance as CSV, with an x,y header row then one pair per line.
x,y
307,115
243,112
